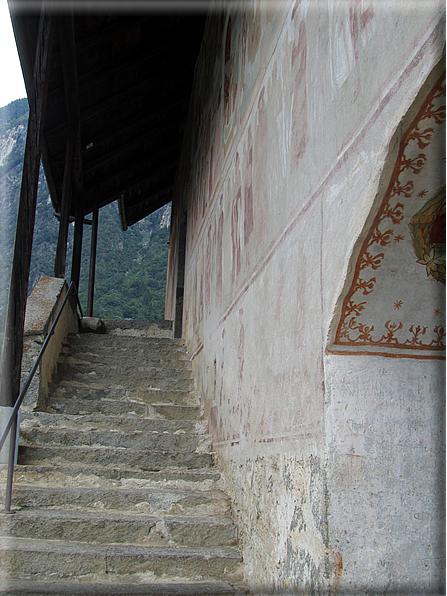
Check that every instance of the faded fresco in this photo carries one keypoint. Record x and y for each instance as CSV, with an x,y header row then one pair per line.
x,y
396,301
294,107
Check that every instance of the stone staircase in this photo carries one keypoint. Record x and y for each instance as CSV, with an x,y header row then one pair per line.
x,y
115,490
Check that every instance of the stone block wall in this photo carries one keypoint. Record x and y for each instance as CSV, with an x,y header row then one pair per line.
x,y
41,309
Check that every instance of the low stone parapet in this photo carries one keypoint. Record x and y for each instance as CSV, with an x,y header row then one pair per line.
x,y
41,309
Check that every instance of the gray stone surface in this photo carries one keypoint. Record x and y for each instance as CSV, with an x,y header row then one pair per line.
x,y
92,325
173,588
115,481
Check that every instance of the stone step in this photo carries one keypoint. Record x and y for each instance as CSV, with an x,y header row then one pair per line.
x,y
135,371
95,339
113,385
159,588
47,559
97,421
78,358
105,527
165,441
106,407
84,391
114,407
112,456
149,501
115,485
177,412
106,344
120,354
80,476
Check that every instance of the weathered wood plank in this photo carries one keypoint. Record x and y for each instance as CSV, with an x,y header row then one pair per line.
x,y
77,241
92,270
11,358
67,190
73,176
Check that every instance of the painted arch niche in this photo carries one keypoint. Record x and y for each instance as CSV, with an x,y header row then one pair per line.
x,y
393,303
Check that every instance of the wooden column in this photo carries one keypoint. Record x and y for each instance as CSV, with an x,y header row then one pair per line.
x,y
67,189
11,358
77,241
178,321
91,277
73,178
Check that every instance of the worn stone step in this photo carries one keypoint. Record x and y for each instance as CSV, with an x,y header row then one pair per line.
x,y
136,371
105,344
149,501
97,421
159,588
165,441
150,361
112,456
116,386
177,412
110,407
84,391
103,406
110,337
93,476
105,528
173,397
48,559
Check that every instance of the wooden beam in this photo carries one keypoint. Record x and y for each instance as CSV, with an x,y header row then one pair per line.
x,y
73,175
161,88
67,188
77,241
113,67
92,270
178,321
142,144
162,178
11,358
132,154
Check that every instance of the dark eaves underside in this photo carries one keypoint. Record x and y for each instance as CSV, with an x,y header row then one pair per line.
x,y
126,79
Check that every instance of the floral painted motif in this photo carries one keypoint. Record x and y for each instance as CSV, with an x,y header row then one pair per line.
x,y
403,252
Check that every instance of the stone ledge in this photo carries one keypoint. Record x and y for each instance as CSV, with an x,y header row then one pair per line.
x,y
41,305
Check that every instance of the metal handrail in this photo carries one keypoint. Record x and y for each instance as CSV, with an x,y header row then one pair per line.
x,y
12,421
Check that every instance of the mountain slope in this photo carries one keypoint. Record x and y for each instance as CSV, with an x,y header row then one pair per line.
x,y
131,265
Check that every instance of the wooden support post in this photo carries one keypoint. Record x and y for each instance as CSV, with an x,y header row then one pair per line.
x,y
91,277
77,241
67,188
178,321
73,176
11,358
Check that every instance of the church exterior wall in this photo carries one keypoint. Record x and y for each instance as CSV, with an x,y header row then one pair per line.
x,y
332,458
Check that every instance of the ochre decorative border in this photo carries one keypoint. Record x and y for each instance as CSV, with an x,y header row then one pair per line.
x,y
350,332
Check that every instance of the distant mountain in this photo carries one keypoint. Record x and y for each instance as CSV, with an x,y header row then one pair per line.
x,y
130,267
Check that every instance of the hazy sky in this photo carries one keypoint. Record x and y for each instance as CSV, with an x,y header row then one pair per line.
x,y
11,82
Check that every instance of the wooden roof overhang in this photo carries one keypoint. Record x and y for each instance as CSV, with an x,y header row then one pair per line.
x,y
126,79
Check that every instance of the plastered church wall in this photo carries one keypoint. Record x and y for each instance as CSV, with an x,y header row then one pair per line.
x,y
332,456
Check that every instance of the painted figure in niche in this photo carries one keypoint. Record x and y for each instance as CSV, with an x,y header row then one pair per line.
x,y
427,229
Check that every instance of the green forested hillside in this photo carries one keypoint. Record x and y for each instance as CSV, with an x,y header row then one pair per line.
x,y
130,266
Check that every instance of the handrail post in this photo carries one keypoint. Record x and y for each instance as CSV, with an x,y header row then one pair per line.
x,y
11,462
11,425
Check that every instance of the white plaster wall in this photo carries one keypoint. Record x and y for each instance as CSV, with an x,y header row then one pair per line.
x,y
385,476
336,79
